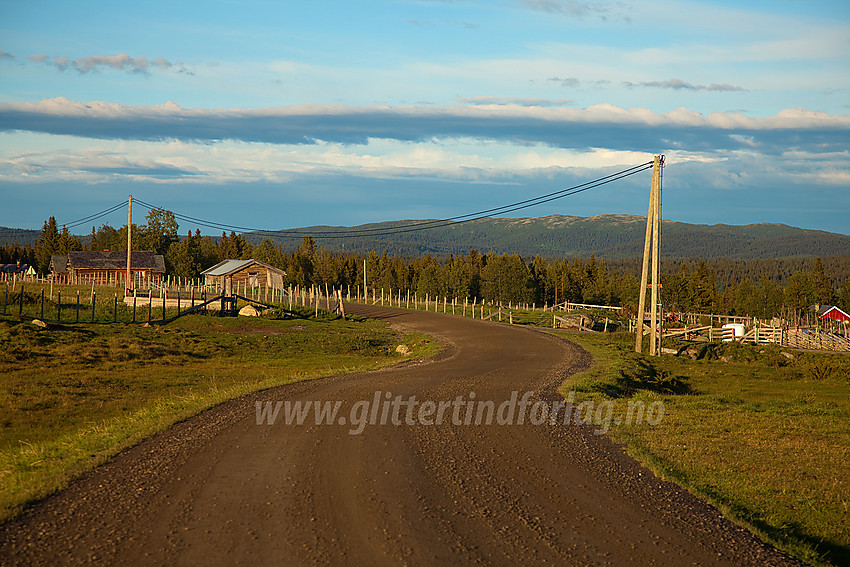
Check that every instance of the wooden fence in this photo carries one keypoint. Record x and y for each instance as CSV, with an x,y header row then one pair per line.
x,y
808,338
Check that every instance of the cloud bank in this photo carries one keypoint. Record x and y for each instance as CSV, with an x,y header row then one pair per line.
x,y
597,126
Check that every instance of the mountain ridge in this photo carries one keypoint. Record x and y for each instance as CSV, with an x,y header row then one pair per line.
x,y
609,236
613,236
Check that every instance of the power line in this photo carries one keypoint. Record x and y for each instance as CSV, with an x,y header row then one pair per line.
x,y
94,216
420,225
345,234
415,228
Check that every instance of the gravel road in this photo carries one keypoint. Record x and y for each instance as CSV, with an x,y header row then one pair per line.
x,y
222,489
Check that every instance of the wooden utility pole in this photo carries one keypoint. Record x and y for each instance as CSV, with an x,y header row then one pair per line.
x,y
651,245
364,280
129,238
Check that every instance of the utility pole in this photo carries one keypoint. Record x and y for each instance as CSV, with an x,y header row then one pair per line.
x,y
129,238
364,280
651,245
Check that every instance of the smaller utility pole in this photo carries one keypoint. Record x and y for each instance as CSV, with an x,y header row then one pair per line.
x,y
129,238
364,280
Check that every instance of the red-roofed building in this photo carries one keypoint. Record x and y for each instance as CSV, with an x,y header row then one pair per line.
x,y
832,312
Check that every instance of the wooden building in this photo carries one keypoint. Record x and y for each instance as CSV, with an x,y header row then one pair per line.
x,y
832,312
233,274
18,269
108,266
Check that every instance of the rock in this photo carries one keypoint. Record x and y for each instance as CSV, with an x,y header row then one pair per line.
x,y
39,323
726,358
787,355
673,351
250,311
403,350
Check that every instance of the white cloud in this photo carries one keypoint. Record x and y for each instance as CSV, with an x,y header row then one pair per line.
x,y
501,108
235,161
101,141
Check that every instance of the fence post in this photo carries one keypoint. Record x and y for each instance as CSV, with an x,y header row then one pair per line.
x,y
93,302
59,306
42,304
115,308
6,298
77,319
21,306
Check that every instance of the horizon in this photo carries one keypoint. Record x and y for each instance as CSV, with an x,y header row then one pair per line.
x,y
345,114
205,232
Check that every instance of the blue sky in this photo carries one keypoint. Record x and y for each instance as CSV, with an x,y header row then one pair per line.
x,y
273,114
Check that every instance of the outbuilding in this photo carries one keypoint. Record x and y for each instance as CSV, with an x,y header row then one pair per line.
x,y
832,312
108,266
233,274
18,269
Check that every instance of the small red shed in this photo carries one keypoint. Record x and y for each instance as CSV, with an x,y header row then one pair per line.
x,y
834,313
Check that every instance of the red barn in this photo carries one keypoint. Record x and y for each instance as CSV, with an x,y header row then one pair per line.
x,y
834,313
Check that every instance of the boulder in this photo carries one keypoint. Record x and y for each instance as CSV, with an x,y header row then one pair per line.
x,y
250,311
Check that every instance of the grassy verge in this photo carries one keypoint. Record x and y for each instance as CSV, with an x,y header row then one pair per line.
x,y
762,436
71,396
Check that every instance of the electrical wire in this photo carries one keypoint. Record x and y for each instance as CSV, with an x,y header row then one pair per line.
x,y
94,216
496,210
416,228
419,225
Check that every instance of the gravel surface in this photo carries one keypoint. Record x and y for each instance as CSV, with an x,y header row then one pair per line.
x,y
221,489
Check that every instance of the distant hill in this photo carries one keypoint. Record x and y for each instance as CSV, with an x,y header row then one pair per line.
x,y
22,236
608,236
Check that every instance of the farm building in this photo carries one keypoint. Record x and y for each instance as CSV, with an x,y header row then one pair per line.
x,y
832,312
231,274
21,270
108,266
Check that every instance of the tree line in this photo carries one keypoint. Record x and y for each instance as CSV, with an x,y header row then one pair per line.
x,y
761,288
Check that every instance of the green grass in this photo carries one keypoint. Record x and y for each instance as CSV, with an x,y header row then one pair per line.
x,y
762,436
71,396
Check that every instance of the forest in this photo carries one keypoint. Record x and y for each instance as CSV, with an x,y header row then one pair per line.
x,y
752,287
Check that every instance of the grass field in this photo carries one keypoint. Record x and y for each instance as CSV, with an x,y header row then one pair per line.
x,y
762,436
73,395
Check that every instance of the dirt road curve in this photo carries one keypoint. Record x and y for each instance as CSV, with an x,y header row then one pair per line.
x,y
221,489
